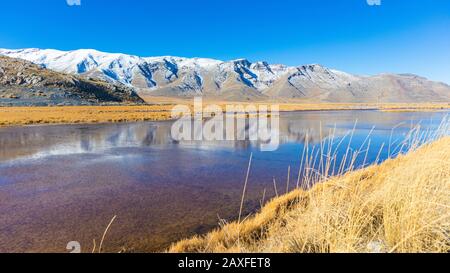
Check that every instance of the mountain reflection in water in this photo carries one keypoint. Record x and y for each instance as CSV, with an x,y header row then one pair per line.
x,y
65,182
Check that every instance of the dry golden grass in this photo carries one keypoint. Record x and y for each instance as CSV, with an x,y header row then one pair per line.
x,y
82,114
402,205
161,110
307,106
301,105
398,107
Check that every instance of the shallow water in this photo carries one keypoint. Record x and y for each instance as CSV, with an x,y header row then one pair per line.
x,y
64,183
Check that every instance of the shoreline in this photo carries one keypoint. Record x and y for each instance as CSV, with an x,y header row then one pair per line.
x,y
357,212
71,115
185,228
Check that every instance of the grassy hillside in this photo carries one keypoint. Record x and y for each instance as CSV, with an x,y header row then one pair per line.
x,y
401,205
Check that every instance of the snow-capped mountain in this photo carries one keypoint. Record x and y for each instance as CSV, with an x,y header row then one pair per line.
x,y
23,83
154,72
237,79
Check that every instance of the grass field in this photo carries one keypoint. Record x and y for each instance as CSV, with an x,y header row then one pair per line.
x,y
10,116
401,205
81,114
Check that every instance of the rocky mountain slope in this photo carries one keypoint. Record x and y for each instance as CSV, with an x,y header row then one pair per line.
x,y
237,79
25,83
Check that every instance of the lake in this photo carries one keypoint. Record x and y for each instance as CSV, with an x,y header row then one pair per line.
x,y
63,183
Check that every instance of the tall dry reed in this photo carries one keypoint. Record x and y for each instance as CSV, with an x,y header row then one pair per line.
x,y
339,205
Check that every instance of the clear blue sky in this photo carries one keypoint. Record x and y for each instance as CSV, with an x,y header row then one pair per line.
x,y
398,36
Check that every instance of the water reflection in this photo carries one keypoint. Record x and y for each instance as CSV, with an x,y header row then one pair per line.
x,y
42,141
64,183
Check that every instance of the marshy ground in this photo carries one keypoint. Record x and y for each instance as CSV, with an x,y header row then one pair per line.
x,y
12,116
65,182
401,205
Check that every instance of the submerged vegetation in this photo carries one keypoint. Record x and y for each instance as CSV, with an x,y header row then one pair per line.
x,y
401,205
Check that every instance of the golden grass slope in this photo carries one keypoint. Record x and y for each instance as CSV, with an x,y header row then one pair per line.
x,y
402,205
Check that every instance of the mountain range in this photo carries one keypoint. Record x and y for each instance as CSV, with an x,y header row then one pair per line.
x,y
234,80
23,83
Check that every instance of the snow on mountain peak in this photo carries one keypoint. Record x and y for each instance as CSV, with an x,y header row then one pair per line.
x,y
236,79
150,73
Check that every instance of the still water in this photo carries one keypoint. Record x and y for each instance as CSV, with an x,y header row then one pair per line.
x,y
64,183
